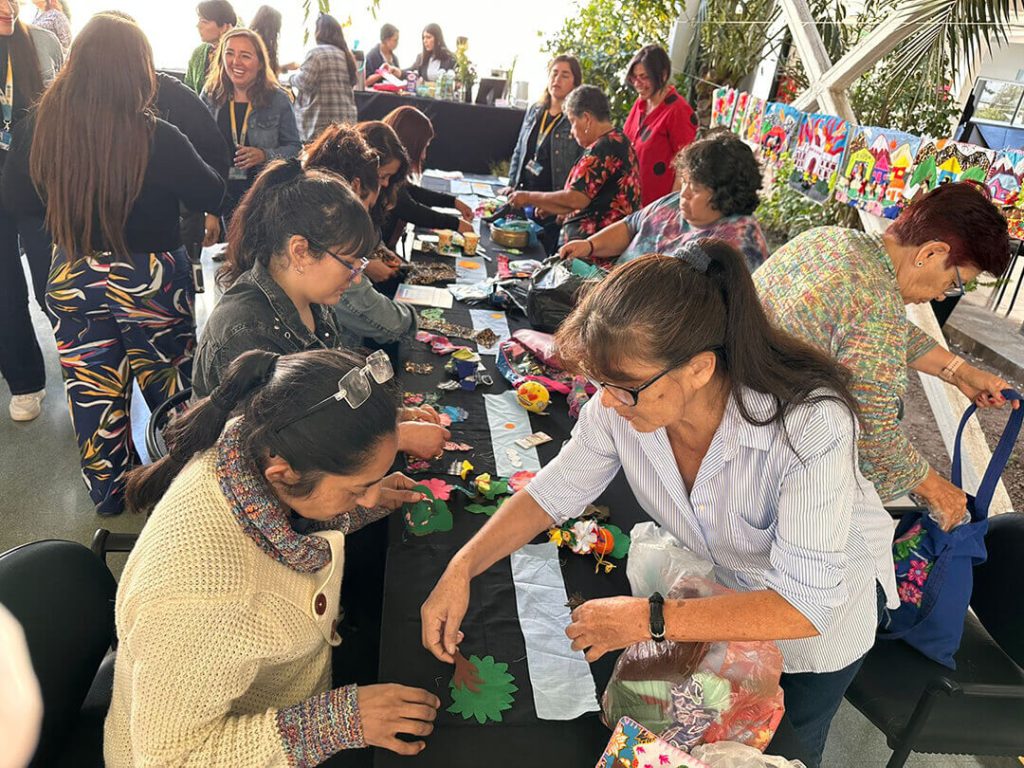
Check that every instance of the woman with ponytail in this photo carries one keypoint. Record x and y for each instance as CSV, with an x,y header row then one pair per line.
x,y
741,442
227,610
298,240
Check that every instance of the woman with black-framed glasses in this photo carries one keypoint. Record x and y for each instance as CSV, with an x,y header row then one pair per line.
x,y
299,240
228,609
741,442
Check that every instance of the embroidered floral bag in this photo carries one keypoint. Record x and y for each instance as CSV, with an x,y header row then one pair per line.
x,y
934,568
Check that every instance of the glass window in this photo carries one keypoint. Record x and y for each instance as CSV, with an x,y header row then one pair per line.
x,y
998,100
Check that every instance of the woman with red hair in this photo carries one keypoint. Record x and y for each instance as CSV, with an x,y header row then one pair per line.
x,y
845,291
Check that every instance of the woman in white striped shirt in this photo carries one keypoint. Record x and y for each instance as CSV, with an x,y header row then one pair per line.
x,y
738,439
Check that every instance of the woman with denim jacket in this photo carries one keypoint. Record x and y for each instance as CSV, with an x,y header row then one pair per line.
x,y
251,109
546,151
300,239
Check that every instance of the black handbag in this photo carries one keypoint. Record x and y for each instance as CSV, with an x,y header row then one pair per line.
x,y
552,295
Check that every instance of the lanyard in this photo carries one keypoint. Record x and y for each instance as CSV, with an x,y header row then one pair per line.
x,y
239,137
544,129
7,99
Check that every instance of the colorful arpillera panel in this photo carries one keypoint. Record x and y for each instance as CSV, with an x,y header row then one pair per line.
x,y
742,101
875,171
723,104
750,130
820,145
778,130
940,161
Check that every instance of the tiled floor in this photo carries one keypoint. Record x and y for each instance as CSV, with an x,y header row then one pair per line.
x,y
42,496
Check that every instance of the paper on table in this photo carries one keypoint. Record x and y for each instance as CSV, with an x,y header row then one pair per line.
x,y
496,321
563,685
508,422
482,189
439,174
461,187
470,269
424,296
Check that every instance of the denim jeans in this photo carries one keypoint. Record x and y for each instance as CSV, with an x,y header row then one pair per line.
x,y
812,699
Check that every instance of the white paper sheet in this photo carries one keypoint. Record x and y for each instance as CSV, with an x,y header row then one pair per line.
x,y
496,321
470,269
508,422
424,296
461,187
483,189
563,685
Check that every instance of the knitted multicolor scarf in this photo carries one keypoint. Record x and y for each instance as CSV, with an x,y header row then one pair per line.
x,y
263,517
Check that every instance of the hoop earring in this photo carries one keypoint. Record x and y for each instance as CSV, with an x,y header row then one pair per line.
x,y
919,263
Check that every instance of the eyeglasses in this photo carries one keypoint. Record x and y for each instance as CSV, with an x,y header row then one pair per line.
x,y
356,271
958,289
631,395
354,387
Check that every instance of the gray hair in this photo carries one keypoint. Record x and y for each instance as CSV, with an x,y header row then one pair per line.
x,y
588,98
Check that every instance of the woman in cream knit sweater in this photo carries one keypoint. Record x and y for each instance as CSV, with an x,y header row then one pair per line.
x,y
227,608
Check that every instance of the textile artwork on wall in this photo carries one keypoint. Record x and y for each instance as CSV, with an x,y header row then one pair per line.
x,y
750,129
738,115
723,104
939,161
817,155
778,130
876,169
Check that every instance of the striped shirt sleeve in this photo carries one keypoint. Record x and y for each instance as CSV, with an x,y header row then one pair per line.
x,y
808,556
581,471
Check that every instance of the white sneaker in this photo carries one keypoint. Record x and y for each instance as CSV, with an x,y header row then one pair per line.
x,y
27,407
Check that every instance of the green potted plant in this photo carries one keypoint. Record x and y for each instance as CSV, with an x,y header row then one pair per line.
x,y
464,69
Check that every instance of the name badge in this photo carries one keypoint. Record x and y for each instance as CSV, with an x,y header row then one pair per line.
x,y
237,174
534,167
5,140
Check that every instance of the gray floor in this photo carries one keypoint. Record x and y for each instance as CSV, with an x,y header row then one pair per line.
x,y
42,496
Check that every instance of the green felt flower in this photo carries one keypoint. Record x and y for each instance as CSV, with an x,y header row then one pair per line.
x,y
494,696
622,542
428,516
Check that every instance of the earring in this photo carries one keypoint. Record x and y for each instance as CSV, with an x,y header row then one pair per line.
x,y
301,271
919,263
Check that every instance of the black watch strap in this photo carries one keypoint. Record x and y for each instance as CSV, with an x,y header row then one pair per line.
x,y
657,604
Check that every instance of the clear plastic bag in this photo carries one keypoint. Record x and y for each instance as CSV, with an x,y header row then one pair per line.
x,y
729,754
691,693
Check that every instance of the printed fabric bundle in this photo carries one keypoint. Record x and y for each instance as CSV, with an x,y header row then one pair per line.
x,y
693,693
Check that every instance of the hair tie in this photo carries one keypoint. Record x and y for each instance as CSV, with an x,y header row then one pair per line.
x,y
220,400
694,255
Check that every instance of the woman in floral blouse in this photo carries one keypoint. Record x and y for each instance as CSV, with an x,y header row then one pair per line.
x,y
719,181
604,185
52,15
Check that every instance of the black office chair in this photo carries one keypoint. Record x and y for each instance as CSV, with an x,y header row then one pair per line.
x,y
922,706
159,419
63,597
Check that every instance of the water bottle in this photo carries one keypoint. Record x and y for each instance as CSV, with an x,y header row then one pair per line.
x,y
410,82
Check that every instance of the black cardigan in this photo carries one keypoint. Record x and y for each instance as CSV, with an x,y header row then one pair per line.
x,y
413,206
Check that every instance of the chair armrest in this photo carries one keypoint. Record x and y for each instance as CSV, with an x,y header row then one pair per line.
x,y
981,690
103,541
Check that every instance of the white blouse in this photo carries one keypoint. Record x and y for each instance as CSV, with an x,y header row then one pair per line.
x,y
804,523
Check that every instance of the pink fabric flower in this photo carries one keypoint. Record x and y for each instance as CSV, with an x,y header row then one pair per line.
x,y
441,490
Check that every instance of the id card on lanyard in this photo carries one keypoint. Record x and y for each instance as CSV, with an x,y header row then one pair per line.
x,y
235,173
7,102
534,166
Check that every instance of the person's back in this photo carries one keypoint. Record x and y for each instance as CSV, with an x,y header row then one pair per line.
x,y
324,91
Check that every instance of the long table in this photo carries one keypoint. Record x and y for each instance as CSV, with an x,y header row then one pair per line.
x,y
467,137
491,625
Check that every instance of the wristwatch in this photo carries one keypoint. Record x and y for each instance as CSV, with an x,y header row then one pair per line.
x,y
657,603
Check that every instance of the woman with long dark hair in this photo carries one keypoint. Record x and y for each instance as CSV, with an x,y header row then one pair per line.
x,y
414,203
29,60
299,240
251,108
324,83
435,55
227,610
120,293
363,312
741,442
382,58
267,24
55,16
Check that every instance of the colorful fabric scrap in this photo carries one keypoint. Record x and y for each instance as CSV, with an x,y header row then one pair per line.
x,y
431,515
634,746
481,689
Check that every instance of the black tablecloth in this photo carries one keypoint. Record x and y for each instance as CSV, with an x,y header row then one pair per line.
x,y
467,137
491,625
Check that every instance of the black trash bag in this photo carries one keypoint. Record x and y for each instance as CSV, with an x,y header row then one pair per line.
x,y
552,295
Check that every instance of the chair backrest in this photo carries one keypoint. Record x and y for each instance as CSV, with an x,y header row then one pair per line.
x,y
63,596
998,597
159,419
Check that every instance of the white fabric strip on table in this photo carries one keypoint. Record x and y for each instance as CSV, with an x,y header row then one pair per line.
x,y
508,422
563,685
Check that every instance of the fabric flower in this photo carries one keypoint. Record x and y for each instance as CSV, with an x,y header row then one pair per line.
x,y
918,571
585,536
557,536
439,488
520,480
910,594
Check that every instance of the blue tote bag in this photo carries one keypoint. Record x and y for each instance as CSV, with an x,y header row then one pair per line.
x,y
934,568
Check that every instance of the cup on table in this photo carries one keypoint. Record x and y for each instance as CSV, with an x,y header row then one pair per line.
x,y
470,241
444,239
